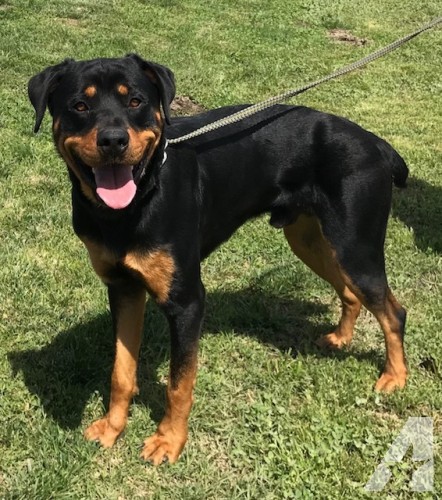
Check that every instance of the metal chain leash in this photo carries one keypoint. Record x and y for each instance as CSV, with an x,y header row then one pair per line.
x,y
260,106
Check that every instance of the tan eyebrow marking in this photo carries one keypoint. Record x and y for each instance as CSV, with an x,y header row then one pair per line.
x,y
122,89
90,91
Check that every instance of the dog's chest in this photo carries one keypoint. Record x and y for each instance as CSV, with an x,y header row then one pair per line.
x,y
155,267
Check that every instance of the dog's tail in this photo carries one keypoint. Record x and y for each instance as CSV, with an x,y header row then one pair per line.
x,y
399,169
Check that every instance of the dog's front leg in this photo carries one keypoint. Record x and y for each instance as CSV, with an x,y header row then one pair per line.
x,y
185,317
127,303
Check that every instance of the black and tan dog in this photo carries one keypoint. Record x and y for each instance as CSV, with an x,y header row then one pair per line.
x,y
148,213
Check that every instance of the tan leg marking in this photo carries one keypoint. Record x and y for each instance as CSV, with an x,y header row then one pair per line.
x,y
394,375
169,439
307,241
123,387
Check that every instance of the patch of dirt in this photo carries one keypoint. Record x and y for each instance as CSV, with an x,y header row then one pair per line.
x,y
69,21
386,416
344,36
183,105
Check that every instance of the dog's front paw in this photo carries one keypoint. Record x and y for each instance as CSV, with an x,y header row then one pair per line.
x,y
389,382
163,447
103,432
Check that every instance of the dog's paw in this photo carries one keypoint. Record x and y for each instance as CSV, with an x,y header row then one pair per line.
x,y
332,341
163,447
103,432
389,382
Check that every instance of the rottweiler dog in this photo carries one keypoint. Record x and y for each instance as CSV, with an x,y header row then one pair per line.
x,y
149,212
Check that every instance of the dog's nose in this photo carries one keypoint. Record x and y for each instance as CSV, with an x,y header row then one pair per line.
x,y
112,141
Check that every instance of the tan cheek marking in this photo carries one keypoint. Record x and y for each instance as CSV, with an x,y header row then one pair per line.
x,y
84,146
56,127
122,89
158,119
67,157
140,142
156,268
90,91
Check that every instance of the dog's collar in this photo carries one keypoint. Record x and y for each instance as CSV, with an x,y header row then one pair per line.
x,y
152,173
163,161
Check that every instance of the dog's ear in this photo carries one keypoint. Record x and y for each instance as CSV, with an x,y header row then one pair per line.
x,y
41,85
163,78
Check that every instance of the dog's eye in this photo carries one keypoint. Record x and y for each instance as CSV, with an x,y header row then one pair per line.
x,y
81,107
134,103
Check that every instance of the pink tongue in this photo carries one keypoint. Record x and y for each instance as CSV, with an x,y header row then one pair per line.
x,y
115,185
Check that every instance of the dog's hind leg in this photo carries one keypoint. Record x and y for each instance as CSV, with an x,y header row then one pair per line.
x,y
361,280
308,243
391,316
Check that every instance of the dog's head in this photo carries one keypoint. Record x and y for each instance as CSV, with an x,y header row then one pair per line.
x,y
107,120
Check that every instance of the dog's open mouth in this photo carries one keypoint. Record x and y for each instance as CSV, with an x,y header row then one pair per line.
x,y
115,184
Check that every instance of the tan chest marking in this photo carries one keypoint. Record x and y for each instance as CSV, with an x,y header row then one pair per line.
x,y
157,269
102,260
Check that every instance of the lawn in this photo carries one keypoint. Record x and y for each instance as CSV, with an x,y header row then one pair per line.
x,y
274,416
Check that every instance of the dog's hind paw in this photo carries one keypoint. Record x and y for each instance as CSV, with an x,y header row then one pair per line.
x,y
333,341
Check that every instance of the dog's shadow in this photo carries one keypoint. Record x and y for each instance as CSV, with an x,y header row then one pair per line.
x,y
419,207
78,362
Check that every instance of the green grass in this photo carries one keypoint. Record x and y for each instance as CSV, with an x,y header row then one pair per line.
x,y
274,416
